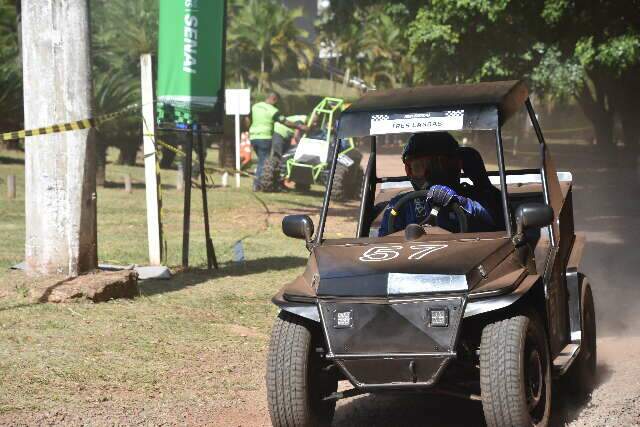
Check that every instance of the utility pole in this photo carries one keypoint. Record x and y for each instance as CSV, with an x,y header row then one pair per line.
x,y
60,193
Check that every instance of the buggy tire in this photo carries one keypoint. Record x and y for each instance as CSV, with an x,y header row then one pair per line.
x,y
296,380
303,188
357,180
515,373
270,179
582,374
340,188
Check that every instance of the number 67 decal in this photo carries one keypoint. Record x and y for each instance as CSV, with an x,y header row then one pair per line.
x,y
387,253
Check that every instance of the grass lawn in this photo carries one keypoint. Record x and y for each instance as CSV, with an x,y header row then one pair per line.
x,y
182,351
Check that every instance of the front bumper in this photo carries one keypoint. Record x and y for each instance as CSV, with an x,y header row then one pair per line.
x,y
391,344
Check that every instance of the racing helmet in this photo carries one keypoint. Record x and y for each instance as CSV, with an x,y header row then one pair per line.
x,y
431,158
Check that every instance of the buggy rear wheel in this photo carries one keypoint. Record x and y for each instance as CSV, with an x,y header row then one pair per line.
x,y
270,179
340,188
303,187
583,372
515,374
296,380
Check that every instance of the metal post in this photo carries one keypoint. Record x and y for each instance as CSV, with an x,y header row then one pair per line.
x,y
237,125
543,168
187,199
503,181
368,188
327,194
211,254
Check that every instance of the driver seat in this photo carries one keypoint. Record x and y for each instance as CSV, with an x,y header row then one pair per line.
x,y
484,192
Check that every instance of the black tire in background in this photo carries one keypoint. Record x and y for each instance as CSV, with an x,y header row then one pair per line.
x,y
340,188
515,373
357,177
270,179
302,187
582,375
296,380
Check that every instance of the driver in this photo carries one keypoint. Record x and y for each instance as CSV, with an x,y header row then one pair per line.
x,y
432,163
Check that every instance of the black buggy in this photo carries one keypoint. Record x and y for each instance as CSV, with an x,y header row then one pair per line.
x,y
490,316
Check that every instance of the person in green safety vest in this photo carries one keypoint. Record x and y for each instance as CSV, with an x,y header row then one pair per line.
x,y
263,117
282,134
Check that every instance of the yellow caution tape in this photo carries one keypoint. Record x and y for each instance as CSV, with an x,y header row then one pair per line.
x,y
65,127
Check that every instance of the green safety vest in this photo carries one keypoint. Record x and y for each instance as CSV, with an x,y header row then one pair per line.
x,y
263,116
285,131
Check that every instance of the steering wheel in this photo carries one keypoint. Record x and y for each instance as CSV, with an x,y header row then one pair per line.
x,y
461,215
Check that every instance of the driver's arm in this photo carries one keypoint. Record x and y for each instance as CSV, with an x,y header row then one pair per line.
x,y
282,119
481,219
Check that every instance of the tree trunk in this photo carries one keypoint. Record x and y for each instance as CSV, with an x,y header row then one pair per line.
x,y
628,106
128,153
595,104
261,72
60,175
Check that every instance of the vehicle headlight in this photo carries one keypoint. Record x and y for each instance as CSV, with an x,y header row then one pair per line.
x,y
438,317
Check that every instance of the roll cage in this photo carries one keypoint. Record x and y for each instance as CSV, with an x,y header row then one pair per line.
x,y
482,106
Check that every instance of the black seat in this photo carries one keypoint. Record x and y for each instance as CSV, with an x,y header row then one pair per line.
x,y
483,191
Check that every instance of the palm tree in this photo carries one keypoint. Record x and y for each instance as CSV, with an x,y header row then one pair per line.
x,y
263,38
386,49
10,71
122,31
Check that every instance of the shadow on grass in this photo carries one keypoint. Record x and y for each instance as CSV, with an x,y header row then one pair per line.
x,y
195,276
10,161
136,185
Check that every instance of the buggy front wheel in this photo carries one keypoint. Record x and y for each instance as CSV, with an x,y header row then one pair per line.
x,y
297,378
515,374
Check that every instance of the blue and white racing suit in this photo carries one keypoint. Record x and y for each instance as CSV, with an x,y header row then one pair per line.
x,y
416,210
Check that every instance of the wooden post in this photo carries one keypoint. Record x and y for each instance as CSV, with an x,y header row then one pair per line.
x,y
11,187
151,178
180,179
127,183
345,81
60,176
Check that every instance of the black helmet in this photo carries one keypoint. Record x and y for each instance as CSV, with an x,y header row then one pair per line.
x,y
430,143
445,166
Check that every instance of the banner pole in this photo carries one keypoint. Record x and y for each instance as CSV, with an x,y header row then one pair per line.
x,y
237,150
211,254
187,200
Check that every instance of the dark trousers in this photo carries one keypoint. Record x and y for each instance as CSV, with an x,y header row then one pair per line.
x,y
280,144
262,147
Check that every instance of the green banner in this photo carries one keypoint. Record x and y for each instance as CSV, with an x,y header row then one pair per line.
x,y
190,57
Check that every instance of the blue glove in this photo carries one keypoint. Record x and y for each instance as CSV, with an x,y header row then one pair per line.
x,y
441,195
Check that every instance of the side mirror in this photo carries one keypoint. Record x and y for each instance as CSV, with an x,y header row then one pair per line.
x,y
298,227
533,215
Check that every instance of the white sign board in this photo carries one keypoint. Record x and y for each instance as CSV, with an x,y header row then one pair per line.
x,y
382,124
237,101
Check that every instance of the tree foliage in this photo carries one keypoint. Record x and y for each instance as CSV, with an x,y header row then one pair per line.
x,y
586,50
264,40
10,67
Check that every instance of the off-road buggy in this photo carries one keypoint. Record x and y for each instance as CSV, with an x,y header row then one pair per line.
x,y
306,163
490,316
